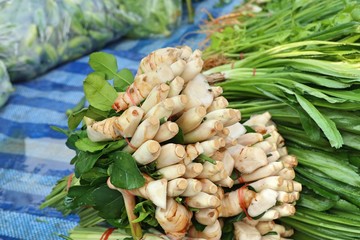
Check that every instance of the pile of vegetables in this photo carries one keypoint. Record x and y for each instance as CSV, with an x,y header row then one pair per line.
x,y
162,153
39,35
300,61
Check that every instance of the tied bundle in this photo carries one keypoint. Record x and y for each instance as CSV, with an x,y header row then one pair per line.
x,y
171,155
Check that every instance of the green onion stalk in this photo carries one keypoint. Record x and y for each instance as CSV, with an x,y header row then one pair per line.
x,y
301,63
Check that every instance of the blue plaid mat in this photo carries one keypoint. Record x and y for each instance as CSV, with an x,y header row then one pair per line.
x,y
33,157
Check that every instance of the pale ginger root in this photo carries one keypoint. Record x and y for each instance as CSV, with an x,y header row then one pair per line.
x,y
211,232
166,131
207,216
160,66
234,202
154,190
175,219
246,231
194,187
113,128
170,154
173,171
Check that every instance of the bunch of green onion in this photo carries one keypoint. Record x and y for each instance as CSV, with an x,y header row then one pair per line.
x,y
301,62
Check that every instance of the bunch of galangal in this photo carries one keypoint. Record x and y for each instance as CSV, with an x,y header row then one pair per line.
x,y
216,176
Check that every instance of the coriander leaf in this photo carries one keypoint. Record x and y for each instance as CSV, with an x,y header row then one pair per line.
x,y
99,92
123,79
105,63
124,172
86,145
75,118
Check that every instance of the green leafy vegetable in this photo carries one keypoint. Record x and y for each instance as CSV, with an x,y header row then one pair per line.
x,y
124,172
123,79
75,118
105,63
86,145
146,212
85,161
77,108
99,92
302,66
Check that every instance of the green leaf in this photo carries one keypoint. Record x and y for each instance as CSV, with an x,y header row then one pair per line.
x,y
203,158
346,191
96,114
271,233
146,211
178,138
198,226
86,145
95,176
328,164
315,202
60,130
112,146
108,202
351,140
77,108
99,92
85,161
124,172
75,118
236,218
105,63
73,137
326,125
249,129
80,196
123,79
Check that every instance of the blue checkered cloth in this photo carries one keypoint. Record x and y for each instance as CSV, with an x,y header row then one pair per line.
x,y
33,157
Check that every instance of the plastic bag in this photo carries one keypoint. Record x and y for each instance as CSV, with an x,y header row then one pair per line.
x,y
40,34
153,18
5,85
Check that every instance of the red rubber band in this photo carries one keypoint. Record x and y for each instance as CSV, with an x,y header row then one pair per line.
x,y
241,180
130,145
254,71
116,106
107,233
241,56
241,200
69,182
130,96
